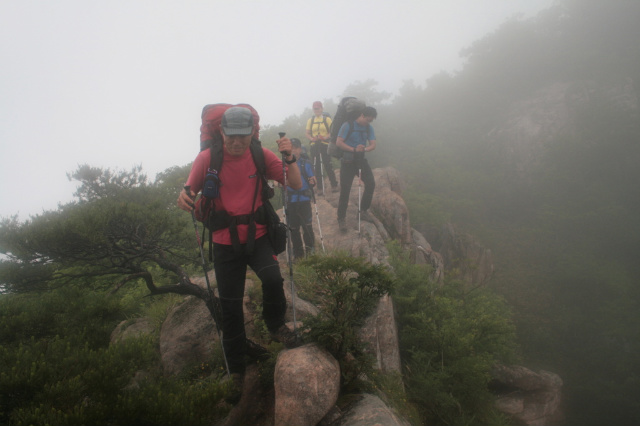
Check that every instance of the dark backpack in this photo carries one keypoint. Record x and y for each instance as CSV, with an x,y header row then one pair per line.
x,y
349,109
211,137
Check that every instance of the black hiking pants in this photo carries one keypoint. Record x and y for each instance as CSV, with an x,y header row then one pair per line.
x,y
318,153
231,272
349,170
300,219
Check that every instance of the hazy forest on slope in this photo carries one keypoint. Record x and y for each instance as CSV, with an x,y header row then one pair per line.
x,y
564,229
563,223
562,216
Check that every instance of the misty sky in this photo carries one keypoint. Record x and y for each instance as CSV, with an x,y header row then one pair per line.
x,y
118,83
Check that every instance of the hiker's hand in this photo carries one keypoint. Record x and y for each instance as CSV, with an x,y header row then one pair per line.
x,y
284,146
360,148
312,181
185,200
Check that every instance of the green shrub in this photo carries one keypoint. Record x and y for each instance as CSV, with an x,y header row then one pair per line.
x,y
63,371
450,337
68,311
350,289
55,377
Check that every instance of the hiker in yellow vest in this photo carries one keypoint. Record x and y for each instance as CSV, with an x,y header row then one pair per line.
x,y
319,133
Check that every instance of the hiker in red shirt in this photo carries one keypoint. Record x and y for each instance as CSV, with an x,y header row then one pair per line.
x,y
239,182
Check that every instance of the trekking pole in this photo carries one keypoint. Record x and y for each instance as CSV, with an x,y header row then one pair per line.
x,y
313,197
289,248
359,198
321,169
217,315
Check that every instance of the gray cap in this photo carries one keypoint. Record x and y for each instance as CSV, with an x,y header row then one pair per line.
x,y
296,142
237,121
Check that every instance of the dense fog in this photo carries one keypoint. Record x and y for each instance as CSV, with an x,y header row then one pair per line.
x,y
532,147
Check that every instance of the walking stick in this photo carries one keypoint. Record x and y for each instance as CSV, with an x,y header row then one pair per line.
x,y
215,309
289,248
313,197
321,168
359,197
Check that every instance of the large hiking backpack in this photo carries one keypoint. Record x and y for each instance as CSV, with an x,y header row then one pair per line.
x,y
349,109
211,137
212,119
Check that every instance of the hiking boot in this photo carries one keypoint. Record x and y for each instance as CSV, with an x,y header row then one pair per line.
x,y
342,224
365,215
285,336
236,384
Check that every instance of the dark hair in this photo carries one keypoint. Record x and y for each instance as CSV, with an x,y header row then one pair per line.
x,y
370,112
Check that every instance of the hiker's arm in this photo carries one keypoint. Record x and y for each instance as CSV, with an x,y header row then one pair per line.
x,y
371,147
308,132
294,179
343,146
195,180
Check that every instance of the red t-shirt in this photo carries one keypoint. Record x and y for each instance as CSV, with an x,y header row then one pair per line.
x,y
237,187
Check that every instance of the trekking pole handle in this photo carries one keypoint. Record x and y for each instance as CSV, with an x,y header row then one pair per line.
x,y
281,134
187,190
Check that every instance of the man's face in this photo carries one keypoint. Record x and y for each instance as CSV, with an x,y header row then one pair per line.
x,y
363,120
296,150
236,145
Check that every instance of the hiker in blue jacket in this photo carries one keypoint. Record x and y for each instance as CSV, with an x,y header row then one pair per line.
x,y
355,139
300,217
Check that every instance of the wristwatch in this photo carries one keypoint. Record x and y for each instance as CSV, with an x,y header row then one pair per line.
x,y
293,160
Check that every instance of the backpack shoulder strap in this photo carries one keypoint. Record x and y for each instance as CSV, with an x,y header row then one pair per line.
x,y
350,131
324,123
258,157
261,166
302,165
217,154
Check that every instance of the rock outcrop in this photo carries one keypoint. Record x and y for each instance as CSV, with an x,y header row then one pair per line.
x,y
132,329
530,398
307,385
381,335
369,410
464,257
187,337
